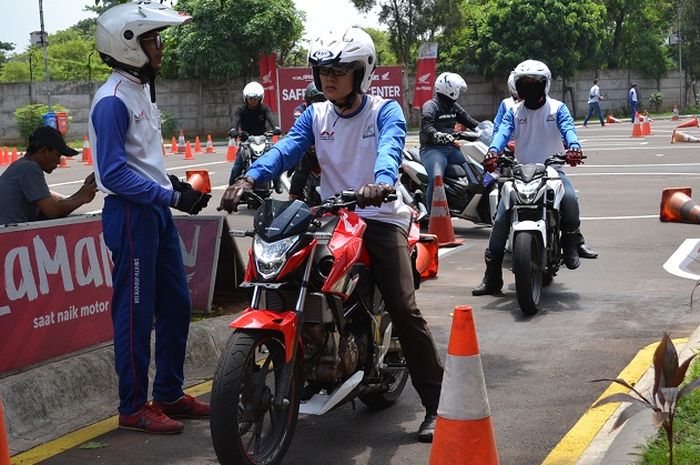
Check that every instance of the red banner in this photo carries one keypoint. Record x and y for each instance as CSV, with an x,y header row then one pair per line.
x,y
425,74
386,82
268,77
56,292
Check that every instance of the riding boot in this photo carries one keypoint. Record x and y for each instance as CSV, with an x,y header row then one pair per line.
x,y
569,244
584,251
493,277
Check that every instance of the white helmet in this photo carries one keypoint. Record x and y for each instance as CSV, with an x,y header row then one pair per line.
x,y
449,85
533,69
119,28
353,48
511,84
253,90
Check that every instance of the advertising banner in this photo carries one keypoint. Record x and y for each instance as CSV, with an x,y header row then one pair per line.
x,y
268,76
386,82
56,287
425,74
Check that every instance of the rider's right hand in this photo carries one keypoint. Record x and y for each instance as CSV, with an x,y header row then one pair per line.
x,y
234,192
442,138
490,161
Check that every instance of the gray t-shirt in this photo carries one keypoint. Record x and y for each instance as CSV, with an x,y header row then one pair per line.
x,y
21,185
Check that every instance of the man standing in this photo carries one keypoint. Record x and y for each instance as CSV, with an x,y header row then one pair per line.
x,y
594,99
148,276
23,189
632,98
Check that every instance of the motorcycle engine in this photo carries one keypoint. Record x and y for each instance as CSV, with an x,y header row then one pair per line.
x,y
328,357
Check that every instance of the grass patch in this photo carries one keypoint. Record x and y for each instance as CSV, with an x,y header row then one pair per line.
x,y
686,426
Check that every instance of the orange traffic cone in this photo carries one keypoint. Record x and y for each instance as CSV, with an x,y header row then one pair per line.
x,y
86,148
199,180
440,222
676,205
693,123
210,145
64,163
646,127
4,157
612,119
188,151
427,256
181,142
275,138
4,446
680,136
232,149
197,145
463,430
637,128
173,145
675,116
15,156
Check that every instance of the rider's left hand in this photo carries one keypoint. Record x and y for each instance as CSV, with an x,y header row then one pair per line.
x,y
373,194
234,192
574,156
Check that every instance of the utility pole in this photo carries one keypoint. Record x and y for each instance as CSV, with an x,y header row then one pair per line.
x,y
680,60
44,44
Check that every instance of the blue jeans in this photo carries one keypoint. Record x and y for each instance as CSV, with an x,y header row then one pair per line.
x,y
633,109
435,158
594,107
570,220
238,164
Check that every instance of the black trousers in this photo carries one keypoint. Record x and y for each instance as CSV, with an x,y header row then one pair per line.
x,y
387,245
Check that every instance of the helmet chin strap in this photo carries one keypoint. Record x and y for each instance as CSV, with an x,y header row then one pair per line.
x,y
346,102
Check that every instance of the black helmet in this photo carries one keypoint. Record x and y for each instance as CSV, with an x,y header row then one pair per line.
x,y
312,95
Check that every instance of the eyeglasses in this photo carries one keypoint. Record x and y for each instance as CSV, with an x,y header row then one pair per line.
x,y
337,72
157,39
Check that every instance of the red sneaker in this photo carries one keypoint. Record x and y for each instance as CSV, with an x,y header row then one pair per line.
x,y
150,419
185,407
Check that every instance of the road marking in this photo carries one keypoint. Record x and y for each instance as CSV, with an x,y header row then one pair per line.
x,y
684,256
661,173
580,436
71,440
629,217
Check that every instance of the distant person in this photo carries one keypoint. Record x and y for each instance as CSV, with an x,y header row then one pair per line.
x,y
594,99
26,196
632,99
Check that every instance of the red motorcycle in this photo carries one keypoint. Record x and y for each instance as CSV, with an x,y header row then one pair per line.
x,y
316,333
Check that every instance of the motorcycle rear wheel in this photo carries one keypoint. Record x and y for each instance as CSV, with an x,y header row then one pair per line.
x,y
527,267
246,428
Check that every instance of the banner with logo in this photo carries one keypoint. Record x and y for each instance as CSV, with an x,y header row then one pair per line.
x,y
425,74
386,82
268,78
56,291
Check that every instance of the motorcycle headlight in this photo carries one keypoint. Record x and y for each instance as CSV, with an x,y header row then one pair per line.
x,y
527,190
270,256
258,148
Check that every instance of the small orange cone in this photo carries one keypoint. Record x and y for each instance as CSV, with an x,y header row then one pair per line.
x,y
210,145
173,146
64,163
181,142
197,145
637,128
4,446
675,116
463,430
199,180
680,136
427,256
646,127
232,150
188,151
676,205
440,222
15,156
86,149
275,139
612,119
4,157
693,123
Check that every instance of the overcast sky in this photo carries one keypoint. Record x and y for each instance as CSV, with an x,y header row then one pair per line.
x,y
22,17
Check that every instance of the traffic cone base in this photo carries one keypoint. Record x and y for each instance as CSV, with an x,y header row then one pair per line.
x,y
646,127
611,119
427,256
440,222
456,436
199,180
677,206
637,129
680,136
692,123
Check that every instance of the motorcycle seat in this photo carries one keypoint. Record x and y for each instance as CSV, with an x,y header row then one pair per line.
x,y
454,171
415,153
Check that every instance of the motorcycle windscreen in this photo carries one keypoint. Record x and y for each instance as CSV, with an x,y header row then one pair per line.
x,y
277,219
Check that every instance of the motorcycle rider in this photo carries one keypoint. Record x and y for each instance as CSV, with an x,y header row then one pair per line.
x,y
359,140
309,162
251,118
538,124
438,118
507,103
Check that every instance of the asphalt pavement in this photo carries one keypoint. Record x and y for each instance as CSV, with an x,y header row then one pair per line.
x,y
595,322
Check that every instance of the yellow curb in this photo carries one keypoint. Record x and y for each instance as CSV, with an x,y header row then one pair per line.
x,y
71,440
579,437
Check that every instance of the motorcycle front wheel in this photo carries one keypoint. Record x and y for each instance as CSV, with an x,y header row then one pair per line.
x,y
246,427
527,267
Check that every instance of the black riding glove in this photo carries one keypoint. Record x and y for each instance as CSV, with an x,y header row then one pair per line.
x,y
442,138
234,192
179,186
373,194
190,201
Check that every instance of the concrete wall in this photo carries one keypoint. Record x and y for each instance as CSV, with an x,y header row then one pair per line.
x,y
203,107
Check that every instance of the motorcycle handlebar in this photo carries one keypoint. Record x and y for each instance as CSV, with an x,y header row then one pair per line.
x,y
466,135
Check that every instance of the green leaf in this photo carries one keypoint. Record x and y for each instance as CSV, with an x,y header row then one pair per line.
x,y
93,445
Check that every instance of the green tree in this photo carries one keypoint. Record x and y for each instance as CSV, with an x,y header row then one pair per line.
x,y
225,40
690,38
382,45
5,48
